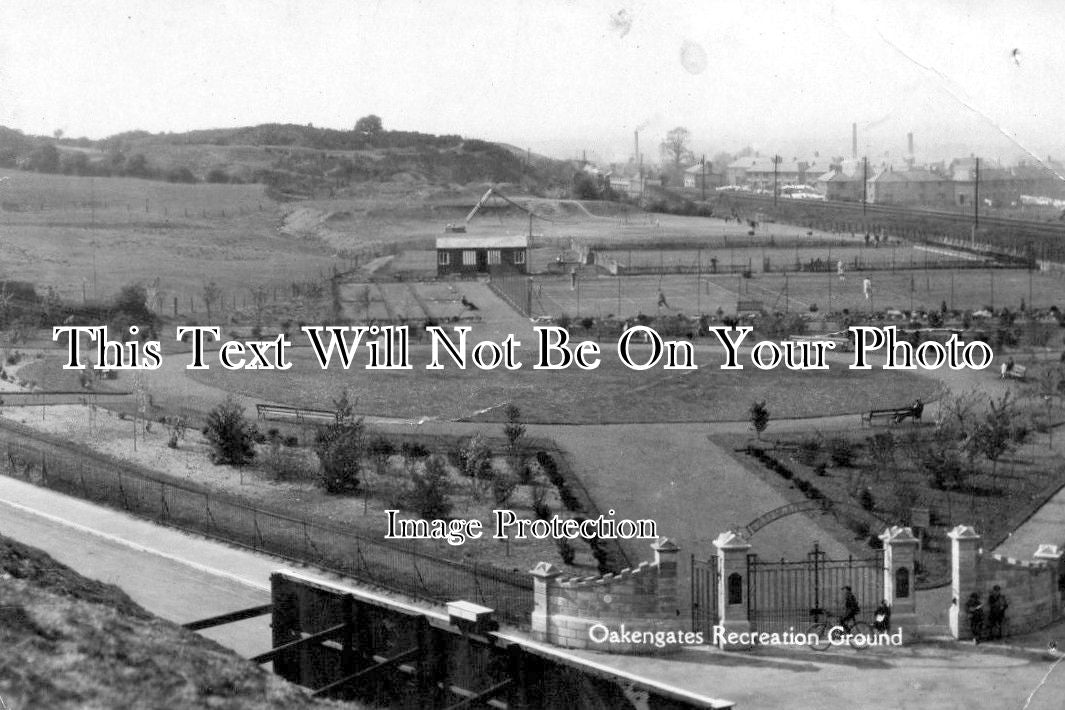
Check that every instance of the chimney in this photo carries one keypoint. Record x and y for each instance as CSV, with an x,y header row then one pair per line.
x,y
909,143
854,141
636,146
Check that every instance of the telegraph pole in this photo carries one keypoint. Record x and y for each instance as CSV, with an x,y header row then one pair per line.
x,y
704,177
776,162
865,183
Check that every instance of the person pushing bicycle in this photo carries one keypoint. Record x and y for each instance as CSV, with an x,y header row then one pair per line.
x,y
850,609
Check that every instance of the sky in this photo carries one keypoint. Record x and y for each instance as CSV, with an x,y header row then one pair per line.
x,y
556,76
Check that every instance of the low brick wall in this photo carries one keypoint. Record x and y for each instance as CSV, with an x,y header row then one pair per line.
x,y
639,606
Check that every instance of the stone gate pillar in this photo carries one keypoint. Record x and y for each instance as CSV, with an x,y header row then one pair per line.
x,y
732,582
964,549
900,553
545,586
1052,555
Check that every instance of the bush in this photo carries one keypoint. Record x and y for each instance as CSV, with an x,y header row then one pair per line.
x,y
284,464
340,448
566,551
429,490
229,434
809,448
841,451
542,510
866,499
503,486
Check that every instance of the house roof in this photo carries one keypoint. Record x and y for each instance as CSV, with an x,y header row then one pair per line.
x,y
838,176
507,242
764,164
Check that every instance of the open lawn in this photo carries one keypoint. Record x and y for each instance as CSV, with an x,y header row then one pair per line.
x,y
612,393
87,237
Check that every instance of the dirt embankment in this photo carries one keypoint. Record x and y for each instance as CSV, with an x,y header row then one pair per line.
x,y
71,642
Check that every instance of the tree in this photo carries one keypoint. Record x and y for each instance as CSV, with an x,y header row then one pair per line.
x,y
997,433
133,301
675,146
368,125
229,434
137,166
211,294
45,159
759,417
340,448
429,494
475,460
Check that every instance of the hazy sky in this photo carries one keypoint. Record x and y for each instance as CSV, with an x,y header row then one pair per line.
x,y
554,75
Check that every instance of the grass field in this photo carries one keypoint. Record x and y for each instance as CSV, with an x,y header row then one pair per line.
x,y
86,238
611,394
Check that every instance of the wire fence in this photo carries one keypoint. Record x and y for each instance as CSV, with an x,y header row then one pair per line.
x,y
33,457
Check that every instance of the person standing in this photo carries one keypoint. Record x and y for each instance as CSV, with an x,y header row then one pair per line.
x,y
975,611
996,612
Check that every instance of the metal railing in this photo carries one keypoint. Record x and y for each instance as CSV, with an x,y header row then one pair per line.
x,y
40,459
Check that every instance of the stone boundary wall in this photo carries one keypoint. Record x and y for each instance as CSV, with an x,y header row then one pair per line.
x,y
1030,586
640,599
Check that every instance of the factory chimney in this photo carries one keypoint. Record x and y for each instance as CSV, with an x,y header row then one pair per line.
x,y
909,143
854,141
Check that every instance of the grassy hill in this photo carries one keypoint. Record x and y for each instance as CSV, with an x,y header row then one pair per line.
x,y
294,161
72,642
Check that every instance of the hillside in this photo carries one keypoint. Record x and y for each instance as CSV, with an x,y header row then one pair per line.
x,y
71,642
294,162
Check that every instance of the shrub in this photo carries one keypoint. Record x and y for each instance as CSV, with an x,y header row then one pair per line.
x,y
503,486
542,510
428,495
566,551
291,440
809,448
229,434
841,451
866,499
340,448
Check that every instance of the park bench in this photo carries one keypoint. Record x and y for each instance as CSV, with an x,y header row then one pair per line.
x,y
756,307
1017,372
282,413
896,415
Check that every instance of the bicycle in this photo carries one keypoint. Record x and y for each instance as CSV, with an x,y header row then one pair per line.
x,y
831,631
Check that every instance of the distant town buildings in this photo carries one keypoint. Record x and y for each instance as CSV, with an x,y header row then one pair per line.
x,y
889,182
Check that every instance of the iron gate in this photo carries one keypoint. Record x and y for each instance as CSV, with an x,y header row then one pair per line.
x,y
782,595
704,596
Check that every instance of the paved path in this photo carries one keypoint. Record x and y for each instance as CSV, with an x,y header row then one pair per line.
x,y
183,577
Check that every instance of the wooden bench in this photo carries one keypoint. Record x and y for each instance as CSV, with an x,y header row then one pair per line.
x,y
1018,372
283,413
897,415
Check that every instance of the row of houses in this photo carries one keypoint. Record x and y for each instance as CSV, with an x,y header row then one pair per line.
x,y
960,185
941,185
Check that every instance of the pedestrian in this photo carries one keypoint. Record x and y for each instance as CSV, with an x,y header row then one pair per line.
x,y
975,610
882,618
996,612
1009,365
